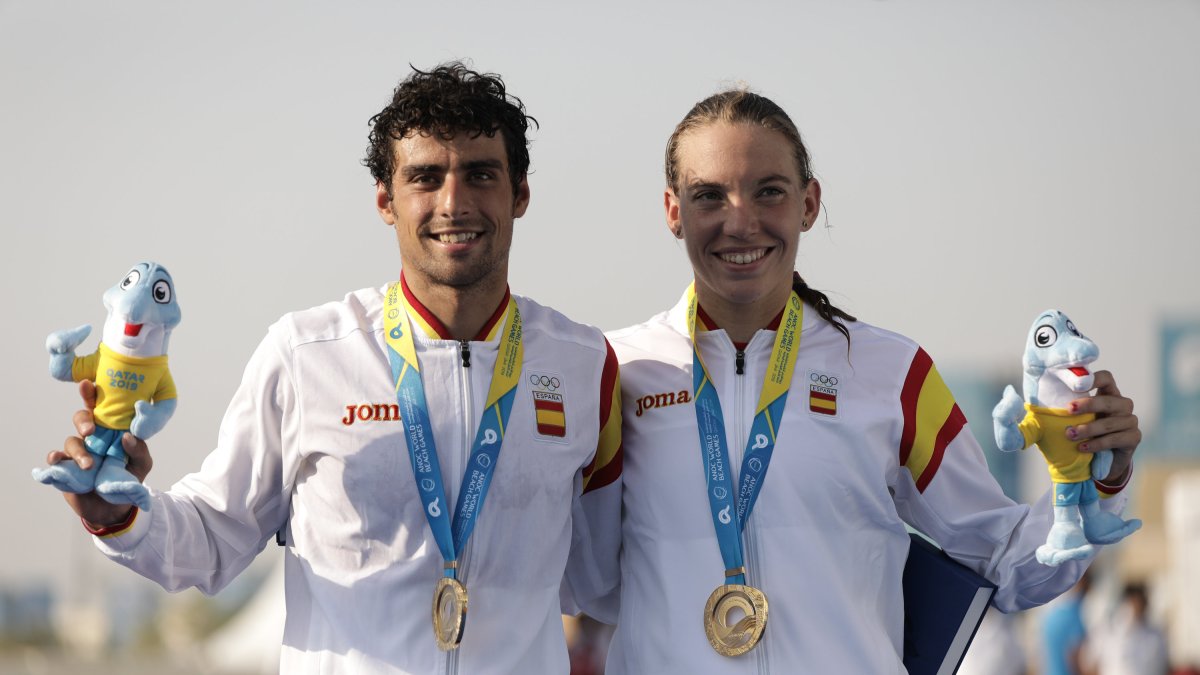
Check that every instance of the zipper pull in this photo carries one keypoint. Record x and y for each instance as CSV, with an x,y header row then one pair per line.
x,y
740,361
464,350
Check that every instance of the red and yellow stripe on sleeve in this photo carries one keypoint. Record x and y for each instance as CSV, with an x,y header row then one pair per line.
x,y
606,464
931,420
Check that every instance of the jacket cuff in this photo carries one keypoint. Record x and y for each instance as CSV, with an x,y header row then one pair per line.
x,y
113,530
1109,489
123,537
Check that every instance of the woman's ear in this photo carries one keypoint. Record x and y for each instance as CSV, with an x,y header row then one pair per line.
x,y
671,206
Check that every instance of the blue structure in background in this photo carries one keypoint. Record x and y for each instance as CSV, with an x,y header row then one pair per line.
x,y
1179,429
976,396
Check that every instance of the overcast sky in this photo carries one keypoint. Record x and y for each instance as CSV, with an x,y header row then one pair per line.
x,y
981,161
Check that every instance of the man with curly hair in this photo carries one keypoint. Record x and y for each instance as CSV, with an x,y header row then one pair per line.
x,y
419,448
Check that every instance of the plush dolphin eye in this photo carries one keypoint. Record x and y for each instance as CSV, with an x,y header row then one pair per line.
x,y
162,292
130,279
1045,336
1071,327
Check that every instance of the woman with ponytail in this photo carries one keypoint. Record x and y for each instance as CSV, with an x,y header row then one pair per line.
x,y
755,374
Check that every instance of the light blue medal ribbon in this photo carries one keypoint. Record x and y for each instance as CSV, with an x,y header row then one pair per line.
x,y
729,511
451,537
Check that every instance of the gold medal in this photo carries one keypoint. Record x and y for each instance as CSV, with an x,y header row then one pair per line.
x,y
449,613
746,606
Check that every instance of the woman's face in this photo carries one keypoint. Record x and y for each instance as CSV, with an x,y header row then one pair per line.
x,y
740,208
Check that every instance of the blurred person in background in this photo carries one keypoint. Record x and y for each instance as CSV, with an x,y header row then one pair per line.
x,y
1128,643
1063,632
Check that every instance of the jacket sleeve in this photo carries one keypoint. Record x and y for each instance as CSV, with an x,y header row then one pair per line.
x,y
592,578
211,524
943,488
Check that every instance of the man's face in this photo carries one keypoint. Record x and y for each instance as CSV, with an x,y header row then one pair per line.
x,y
452,206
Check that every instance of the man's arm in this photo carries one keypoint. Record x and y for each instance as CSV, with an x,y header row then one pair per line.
x,y
97,514
211,524
592,580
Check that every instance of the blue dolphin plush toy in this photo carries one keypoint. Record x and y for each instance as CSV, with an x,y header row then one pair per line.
x,y
134,389
1056,363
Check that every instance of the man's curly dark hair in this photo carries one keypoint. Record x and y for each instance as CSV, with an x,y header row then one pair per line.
x,y
449,100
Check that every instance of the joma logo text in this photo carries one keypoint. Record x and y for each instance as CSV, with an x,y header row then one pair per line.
x,y
661,400
371,412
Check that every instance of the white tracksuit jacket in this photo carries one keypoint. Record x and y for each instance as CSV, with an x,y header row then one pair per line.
x,y
361,562
826,541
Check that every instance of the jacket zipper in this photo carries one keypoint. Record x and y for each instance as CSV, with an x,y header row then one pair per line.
x,y
464,352
750,540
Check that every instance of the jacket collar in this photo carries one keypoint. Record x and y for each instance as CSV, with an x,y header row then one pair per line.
x,y
434,329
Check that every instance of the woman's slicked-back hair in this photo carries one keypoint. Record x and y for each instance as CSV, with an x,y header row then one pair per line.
x,y
737,106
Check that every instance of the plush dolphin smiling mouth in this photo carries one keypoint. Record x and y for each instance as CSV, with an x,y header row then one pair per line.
x,y
132,329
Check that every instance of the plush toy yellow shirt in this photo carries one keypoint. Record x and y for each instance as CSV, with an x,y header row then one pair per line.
x,y
1048,428
121,381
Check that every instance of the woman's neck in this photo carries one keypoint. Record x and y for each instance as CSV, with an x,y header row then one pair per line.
x,y
741,320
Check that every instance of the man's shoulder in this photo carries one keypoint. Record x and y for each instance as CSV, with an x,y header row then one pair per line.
x,y
542,323
359,311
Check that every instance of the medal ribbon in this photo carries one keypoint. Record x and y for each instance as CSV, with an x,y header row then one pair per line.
x,y
451,537
729,513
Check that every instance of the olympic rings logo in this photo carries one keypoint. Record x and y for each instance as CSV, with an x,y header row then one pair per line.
x,y
826,380
545,381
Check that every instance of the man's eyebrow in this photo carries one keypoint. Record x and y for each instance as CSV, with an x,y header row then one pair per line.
x,y
476,164
417,169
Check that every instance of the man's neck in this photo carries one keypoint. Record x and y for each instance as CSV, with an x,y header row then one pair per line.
x,y
742,320
463,311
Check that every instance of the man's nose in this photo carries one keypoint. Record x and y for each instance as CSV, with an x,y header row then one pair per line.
x,y
454,198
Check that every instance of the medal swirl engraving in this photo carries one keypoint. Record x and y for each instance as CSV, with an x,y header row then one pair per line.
x,y
747,607
449,613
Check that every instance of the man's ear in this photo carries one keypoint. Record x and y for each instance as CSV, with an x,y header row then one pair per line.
x,y
383,203
521,201
671,207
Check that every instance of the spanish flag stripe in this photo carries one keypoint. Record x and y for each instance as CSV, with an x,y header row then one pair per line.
x,y
917,371
949,431
424,319
551,417
934,405
825,405
605,475
822,395
540,405
493,325
606,464
434,328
